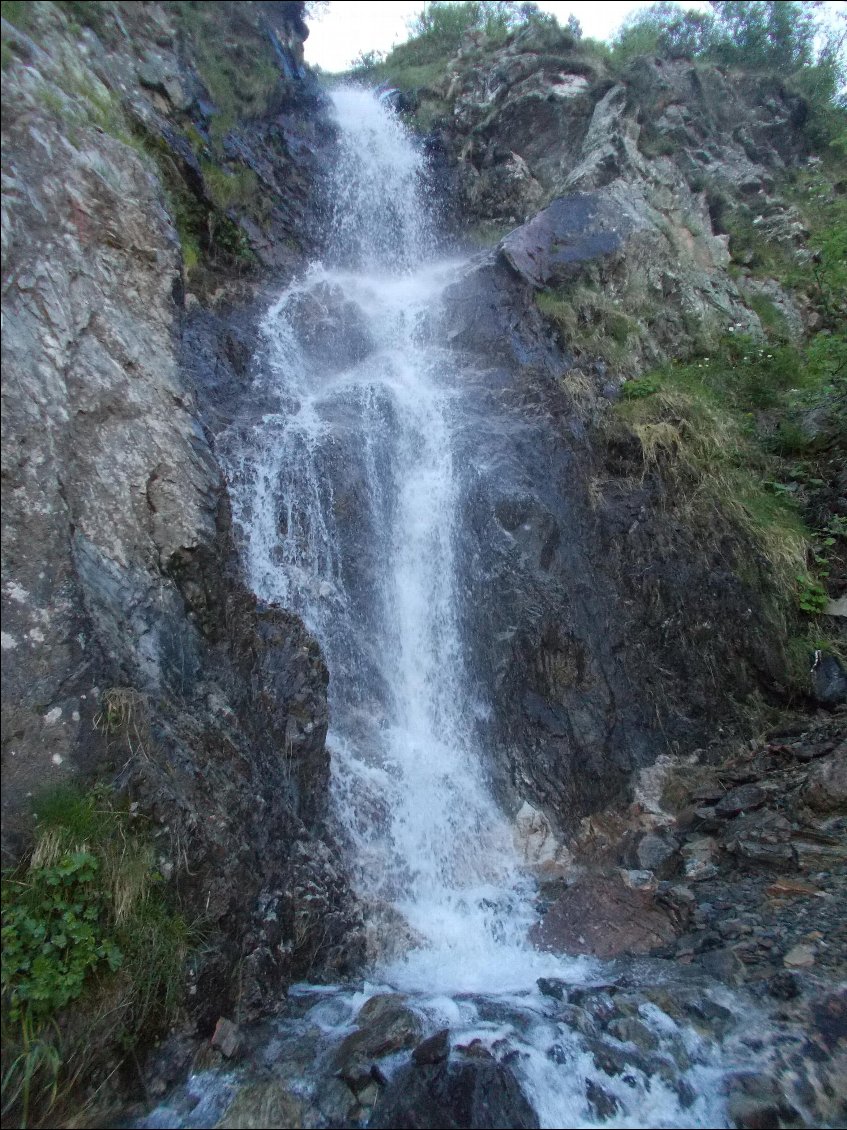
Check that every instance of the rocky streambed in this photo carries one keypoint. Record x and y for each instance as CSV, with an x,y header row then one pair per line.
x,y
713,911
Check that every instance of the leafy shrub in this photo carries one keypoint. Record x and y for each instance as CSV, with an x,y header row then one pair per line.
x,y
643,386
811,595
92,953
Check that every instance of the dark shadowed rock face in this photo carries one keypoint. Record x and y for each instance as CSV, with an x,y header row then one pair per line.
x,y
584,633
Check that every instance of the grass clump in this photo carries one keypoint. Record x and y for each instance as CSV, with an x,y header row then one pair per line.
x,y
588,321
717,428
93,954
19,13
239,70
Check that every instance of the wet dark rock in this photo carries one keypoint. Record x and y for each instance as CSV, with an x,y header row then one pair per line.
x,y
783,986
226,1037
725,965
574,229
578,1019
258,1106
757,1102
829,1019
454,1096
433,1049
597,1003
553,987
332,330
386,1025
602,1102
829,680
632,1031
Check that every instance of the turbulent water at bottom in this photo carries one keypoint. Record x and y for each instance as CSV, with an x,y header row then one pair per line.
x,y
347,493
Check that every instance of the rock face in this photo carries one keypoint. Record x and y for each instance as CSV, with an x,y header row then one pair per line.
x,y
131,649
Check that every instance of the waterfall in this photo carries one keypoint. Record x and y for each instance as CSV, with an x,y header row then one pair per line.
x,y
348,494
348,497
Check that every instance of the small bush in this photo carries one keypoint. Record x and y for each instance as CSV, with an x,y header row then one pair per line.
x,y
643,386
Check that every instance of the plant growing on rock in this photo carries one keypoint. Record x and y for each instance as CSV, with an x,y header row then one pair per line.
x,y
85,924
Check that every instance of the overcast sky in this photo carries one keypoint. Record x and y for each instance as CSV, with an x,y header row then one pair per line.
x,y
347,27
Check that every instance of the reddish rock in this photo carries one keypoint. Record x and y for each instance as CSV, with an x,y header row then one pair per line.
x,y
604,918
226,1037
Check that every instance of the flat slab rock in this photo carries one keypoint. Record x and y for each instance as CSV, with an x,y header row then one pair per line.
x,y
604,918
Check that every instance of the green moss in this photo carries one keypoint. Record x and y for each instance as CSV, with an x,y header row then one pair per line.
x,y
771,317
716,428
231,188
20,13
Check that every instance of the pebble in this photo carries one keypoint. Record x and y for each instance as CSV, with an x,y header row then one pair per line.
x,y
799,957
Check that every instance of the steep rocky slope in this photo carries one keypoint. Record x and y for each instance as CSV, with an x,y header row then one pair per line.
x,y
131,649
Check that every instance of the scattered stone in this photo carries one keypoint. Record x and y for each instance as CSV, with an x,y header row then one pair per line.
x,y
791,888
699,857
539,849
658,854
765,855
826,786
725,965
800,957
639,880
784,986
743,799
751,1112
829,1016
708,794
226,1037
605,918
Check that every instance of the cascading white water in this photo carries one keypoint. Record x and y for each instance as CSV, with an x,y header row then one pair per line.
x,y
362,452
347,494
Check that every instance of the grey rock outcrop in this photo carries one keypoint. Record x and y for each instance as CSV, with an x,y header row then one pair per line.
x,y
131,649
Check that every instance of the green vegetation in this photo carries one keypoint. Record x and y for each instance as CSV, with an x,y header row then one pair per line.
x,y
588,320
719,429
20,13
93,954
240,72
780,37
772,35
438,32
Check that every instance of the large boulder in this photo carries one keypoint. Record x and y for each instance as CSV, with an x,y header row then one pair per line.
x,y
453,1095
